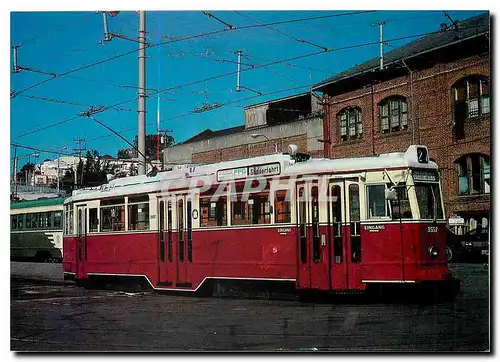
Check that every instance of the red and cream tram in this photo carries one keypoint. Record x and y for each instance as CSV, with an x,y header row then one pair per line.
x,y
321,224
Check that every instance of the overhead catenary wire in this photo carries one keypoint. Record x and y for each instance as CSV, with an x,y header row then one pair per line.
x,y
117,56
282,33
304,56
167,90
40,149
105,108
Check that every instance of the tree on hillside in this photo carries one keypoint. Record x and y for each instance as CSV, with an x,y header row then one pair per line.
x,y
21,175
123,154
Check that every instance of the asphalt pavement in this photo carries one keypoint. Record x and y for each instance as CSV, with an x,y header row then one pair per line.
x,y
49,315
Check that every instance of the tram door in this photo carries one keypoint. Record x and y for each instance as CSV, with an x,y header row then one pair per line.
x,y
81,242
166,263
345,239
183,240
313,258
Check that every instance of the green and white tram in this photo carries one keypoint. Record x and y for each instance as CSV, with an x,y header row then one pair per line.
x,y
36,230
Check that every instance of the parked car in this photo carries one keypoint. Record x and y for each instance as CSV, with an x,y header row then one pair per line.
x,y
454,249
475,244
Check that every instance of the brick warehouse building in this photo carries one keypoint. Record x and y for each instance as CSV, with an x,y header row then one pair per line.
x,y
433,91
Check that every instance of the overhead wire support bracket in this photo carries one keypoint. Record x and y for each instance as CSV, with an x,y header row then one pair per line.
x,y
231,27
314,45
251,90
92,110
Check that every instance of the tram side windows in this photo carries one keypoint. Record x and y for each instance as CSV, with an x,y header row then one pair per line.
x,y
138,213
377,204
282,211
113,214
93,220
400,208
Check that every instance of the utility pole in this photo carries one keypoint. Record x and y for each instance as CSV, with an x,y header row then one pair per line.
x,y
79,151
141,137
381,42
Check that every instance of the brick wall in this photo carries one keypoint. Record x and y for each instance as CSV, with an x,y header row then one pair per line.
x,y
252,150
433,115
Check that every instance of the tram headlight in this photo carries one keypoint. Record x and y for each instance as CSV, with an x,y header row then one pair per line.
x,y
433,251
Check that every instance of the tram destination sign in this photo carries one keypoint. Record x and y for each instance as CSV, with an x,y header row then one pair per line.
x,y
268,169
425,176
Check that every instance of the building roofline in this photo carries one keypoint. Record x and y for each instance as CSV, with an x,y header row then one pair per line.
x,y
375,68
278,100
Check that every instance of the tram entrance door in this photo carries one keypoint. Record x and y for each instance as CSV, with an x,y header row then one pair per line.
x,y
344,232
81,242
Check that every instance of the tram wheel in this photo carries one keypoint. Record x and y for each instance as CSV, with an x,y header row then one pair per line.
x,y
449,253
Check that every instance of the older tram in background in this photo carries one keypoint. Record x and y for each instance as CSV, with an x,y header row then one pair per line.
x,y
319,224
36,232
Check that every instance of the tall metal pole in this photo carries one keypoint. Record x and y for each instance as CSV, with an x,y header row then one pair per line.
x,y
15,165
381,27
28,173
238,73
58,157
14,177
142,94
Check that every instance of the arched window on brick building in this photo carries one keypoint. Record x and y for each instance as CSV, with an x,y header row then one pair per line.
x,y
471,99
393,114
473,174
351,124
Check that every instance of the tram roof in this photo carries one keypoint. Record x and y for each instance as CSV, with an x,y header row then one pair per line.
x,y
182,175
37,203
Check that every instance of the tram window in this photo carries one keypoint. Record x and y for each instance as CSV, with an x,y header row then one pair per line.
x,y
240,213
213,213
189,220
113,218
354,210
282,211
71,224
20,221
302,224
169,230
28,221
42,220
93,220
400,208
260,207
138,213
377,205
34,220
337,223
180,228
13,219
49,216
429,201
57,219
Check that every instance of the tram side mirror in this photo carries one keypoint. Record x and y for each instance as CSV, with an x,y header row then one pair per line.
x,y
390,194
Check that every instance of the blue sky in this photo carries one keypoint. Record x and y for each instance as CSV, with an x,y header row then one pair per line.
x,y
61,41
